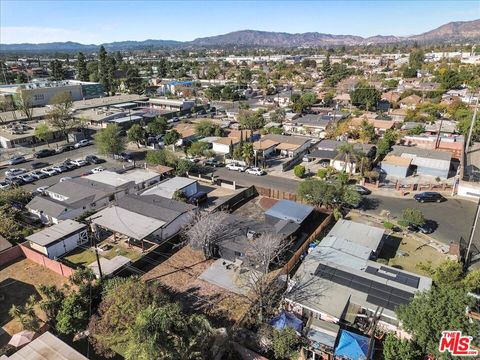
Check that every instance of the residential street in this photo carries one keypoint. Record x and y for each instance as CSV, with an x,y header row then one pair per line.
x,y
453,217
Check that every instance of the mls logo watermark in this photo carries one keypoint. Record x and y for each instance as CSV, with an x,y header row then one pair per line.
x,y
456,344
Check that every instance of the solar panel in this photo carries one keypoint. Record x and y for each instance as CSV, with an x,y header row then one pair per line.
x,y
394,275
377,293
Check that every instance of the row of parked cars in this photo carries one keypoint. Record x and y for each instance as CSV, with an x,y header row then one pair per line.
x,y
42,170
234,166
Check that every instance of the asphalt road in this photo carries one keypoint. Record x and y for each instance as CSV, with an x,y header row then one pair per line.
x,y
453,218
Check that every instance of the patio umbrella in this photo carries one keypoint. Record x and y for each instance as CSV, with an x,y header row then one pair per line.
x,y
21,338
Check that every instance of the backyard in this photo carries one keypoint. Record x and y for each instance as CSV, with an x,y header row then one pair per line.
x,y
18,281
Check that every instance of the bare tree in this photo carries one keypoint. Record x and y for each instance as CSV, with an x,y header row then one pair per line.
x,y
24,103
207,230
7,104
60,114
263,289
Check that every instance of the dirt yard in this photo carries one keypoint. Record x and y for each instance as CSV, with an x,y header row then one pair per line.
x,y
18,281
403,250
179,276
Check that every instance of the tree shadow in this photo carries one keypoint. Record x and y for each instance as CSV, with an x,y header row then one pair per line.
x,y
14,292
369,203
391,243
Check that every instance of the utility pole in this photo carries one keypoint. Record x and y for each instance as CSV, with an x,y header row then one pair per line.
x,y
472,233
472,125
93,237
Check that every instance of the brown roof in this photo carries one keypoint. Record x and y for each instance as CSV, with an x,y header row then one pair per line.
x,y
226,141
411,100
186,130
161,169
391,96
396,160
264,144
286,146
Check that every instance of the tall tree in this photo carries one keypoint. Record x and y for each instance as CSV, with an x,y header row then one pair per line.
x,y
136,134
60,114
43,133
56,70
103,69
82,71
133,82
24,102
109,141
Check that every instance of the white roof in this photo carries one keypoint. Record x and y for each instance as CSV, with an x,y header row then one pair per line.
x,y
114,179
55,232
360,234
46,346
167,188
127,222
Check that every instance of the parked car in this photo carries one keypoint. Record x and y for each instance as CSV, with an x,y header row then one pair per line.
x,y
41,189
198,198
429,197
49,171
60,168
65,178
255,171
43,153
362,190
16,160
123,156
97,170
38,175
15,181
83,143
15,172
4,184
69,165
213,162
64,148
27,178
79,162
39,164
92,159
306,159
236,167
424,229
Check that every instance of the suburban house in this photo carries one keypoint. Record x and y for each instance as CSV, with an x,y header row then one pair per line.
x,y
133,179
339,283
46,346
380,125
148,218
222,145
186,131
169,187
284,218
58,239
453,143
410,102
289,146
326,152
173,87
74,197
311,124
264,147
403,161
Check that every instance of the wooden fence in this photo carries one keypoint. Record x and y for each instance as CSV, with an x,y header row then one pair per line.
x,y
287,268
277,194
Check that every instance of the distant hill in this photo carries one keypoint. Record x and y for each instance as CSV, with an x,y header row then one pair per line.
x,y
452,32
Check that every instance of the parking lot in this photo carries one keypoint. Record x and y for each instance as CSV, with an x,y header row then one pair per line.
x,y
79,153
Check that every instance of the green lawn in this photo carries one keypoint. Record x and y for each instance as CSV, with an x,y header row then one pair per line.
x,y
87,256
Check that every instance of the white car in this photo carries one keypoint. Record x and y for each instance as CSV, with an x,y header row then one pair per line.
x,y
27,178
65,178
15,172
4,185
83,143
60,168
97,170
79,162
49,171
255,171
236,167
42,189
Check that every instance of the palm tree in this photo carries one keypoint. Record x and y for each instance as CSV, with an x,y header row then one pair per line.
x,y
348,155
248,153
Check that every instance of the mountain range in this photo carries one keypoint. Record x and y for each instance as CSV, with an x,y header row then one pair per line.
x,y
459,31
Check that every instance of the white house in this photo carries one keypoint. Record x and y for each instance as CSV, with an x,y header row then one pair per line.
x,y
59,239
168,187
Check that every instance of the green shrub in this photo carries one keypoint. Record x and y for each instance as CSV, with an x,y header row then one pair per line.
x,y
299,171
388,225
322,173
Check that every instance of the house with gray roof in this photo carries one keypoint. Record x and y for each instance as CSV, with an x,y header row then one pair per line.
x,y
149,217
74,197
311,124
405,160
339,283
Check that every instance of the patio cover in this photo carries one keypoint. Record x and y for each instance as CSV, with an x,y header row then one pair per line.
x,y
126,222
352,346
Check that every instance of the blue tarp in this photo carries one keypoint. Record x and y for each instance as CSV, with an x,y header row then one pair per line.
x,y
352,346
285,319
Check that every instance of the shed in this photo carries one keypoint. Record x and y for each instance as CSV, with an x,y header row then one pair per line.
x,y
59,239
288,210
396,166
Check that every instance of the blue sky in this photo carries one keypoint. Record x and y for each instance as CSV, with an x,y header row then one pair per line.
x,y
97,21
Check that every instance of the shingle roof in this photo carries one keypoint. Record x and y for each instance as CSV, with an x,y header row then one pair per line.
x,y
56,232
286,139
48,206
